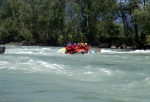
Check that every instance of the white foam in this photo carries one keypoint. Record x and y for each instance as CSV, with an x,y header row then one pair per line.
x,y
106,71
87,70
123,51
148,80
89,73
107,51
46,49
27,50
33,66
140,51
18,51
3,62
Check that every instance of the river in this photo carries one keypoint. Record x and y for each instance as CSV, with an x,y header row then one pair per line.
x,y
44,74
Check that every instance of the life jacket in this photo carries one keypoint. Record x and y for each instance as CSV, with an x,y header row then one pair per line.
x,y
86,47
72,46
68,48
80,51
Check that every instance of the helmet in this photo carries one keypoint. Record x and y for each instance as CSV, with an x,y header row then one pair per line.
x,y
69,44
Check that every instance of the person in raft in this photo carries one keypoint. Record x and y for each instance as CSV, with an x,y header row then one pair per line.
x,y
77,48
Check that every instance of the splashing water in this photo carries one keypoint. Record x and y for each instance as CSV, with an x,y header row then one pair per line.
x,y
44,74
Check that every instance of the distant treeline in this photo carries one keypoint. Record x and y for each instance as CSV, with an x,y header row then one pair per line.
x,y
57,22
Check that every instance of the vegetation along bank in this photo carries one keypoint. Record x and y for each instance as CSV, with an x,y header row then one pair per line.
x,y
57,22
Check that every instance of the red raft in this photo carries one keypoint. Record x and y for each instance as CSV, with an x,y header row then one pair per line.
x,y
80,48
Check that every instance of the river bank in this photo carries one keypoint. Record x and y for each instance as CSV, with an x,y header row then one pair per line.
x,y
112,46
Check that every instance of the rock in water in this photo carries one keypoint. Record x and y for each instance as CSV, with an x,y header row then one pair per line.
x,y
2,49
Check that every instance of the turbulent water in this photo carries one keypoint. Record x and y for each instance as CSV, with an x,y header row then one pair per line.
x,y
44,74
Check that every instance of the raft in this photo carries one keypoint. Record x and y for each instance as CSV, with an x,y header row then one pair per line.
x,y
78,51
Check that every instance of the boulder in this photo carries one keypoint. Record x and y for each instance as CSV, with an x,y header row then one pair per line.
x,y
97,49
113,47
2,49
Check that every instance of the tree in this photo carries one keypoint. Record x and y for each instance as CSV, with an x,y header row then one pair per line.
x,y
53,22
9,14
103,17
143,17
73,21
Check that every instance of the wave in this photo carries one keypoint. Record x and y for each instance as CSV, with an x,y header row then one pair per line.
x,y
47,50
33,66
123,51
140,51
147,80
3,62
27,50
84,73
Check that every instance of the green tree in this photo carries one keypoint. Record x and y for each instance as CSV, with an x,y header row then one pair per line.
x,y
8,20
107,12
143,17
73,21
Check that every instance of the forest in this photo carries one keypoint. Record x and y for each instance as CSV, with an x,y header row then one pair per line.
x,y
57,22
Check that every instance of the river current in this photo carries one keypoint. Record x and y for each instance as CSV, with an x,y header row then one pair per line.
x,y
44,74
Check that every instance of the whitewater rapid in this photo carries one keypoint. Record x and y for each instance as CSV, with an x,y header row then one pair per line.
x,y
44,74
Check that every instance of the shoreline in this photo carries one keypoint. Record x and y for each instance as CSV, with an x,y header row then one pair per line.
x,y
111,46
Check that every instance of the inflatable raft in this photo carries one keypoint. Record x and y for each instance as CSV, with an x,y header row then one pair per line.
x,y
79,48
79,51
